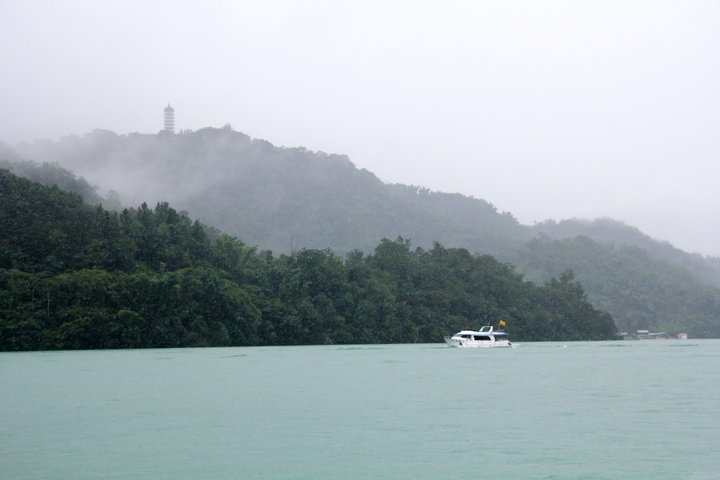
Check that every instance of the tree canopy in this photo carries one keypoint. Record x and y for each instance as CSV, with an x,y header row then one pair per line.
x,y
285,199
75,276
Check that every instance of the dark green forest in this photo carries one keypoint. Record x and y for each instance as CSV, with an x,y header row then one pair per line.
x,y
629,281
74,276
288,199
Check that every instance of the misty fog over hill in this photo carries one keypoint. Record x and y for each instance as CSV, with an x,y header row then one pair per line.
x,y
278,198
286,199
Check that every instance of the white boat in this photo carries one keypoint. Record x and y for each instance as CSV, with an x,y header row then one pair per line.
x,y
486,337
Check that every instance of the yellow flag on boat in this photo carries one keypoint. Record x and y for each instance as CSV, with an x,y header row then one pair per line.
x,y
502,323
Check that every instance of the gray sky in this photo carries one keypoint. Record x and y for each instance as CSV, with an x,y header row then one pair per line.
x,y
546,108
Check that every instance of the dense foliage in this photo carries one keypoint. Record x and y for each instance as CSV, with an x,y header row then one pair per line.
x,y
53,174
613,232
74,276
640,291
286,199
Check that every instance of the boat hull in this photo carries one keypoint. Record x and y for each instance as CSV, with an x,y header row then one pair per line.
x,y
464,343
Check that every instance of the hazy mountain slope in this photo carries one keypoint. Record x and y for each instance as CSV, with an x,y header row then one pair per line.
x,y
639,290
278,198
50,174
74,276
289,198
606,230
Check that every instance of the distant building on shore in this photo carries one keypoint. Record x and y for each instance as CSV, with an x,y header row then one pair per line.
x,y
647,335
169,119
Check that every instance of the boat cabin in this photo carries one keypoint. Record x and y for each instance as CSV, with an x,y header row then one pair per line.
x,y
487,336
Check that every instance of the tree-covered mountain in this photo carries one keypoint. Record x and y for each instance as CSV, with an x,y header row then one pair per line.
x,y
609,231
285,199
49,174
75,276
627,281
277,198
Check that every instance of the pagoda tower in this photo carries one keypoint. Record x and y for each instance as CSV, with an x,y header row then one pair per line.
x,y
169,119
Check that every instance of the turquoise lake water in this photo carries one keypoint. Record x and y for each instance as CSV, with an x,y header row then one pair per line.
x,y
591,410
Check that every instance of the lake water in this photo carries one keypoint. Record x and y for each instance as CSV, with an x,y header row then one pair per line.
x,y
591,410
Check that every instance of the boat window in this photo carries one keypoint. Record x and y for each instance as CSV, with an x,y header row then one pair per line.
x,y
465,336
482,338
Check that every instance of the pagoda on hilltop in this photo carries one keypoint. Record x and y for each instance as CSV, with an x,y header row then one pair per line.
x,y
169,119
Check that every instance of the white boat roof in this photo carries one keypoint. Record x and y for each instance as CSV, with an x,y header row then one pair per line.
x,y
488,329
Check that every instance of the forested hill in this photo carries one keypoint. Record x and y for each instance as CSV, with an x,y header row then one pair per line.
x,y
54,175
275,197
285,199
606,230
74,276
639,290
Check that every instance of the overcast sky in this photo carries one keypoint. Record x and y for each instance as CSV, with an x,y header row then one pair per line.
x,y
546,108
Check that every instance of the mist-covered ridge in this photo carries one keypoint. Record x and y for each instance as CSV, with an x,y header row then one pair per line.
x,y
77,277
285,199
609,231
276,197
